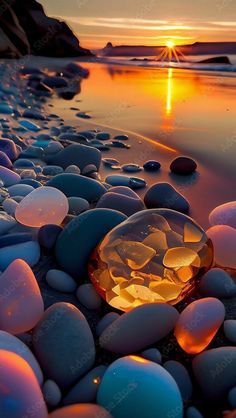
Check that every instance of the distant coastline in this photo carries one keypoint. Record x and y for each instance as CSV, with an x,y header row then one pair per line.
x,y
198,48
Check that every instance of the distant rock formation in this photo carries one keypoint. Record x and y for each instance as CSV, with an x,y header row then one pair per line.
x,y
198,48
216,60
26,29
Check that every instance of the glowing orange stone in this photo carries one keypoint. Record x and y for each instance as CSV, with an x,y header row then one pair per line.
x,y
154,256
198,323
43,206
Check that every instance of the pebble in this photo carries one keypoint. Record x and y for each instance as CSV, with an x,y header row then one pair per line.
x,y
20,190
28,174
85,391
118,144
80,411
93,224
131,168
108,162
106,321
224,215
124,337
145,387
79,139
28,251
60,281
217,283
198,323
21,302
63,363
5,160
132,182
77,205
52,170
31,182
75,185
73,169
15,238
53,148
214,371
19,391
48,235
152,354
6,223
8,176
87,134
9,206
181,376
164,195
193,412
89,169
9,342
183,166
151,165
83,115
33,114
55,82
30,126
9,148
121,137
23,163
223,238
232,397
51,393
230,330
127,204
45,205
103,136
33,152
6,109
87,295
76,154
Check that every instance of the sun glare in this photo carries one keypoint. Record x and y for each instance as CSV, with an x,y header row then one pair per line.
x,y
170,44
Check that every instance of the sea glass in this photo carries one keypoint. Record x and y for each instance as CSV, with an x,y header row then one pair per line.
x,y
154,256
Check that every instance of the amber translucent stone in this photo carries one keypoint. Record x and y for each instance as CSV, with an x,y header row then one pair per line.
x,y
154,256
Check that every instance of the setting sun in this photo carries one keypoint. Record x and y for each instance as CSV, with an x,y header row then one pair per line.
x,y
170,44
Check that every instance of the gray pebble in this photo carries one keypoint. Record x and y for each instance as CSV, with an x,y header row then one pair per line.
x,y
88,296
85,391
152,354
217,283
230,330
61,281
105,322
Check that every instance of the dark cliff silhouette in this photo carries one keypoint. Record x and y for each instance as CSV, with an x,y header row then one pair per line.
x,y
26,29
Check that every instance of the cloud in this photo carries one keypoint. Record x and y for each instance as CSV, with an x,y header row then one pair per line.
x,y
150,24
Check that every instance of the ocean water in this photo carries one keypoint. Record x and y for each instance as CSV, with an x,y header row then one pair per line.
x,y
191,111
191,63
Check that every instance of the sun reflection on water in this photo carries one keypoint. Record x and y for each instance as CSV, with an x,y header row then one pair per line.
x,y
169,92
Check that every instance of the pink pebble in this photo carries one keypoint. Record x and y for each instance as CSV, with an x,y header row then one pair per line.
x,y
224,242
21,303
43,206
20,392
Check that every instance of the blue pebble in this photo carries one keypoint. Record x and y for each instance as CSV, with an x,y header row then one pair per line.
x,y
23,163
12,239
152,165
52,170
181,376
31,182
232,397
193,412
30,126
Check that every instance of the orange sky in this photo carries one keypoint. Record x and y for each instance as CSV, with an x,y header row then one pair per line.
x,y
148,22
